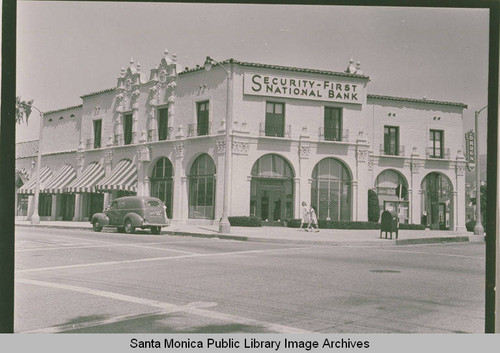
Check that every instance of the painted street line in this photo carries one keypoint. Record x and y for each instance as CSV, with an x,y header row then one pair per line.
x,y
190,309
110,263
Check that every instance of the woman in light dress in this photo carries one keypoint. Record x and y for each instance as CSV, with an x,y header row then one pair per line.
x,y
304,214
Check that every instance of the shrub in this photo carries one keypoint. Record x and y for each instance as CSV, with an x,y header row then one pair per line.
x,y
407,226
373,206
470,225
245,221
295,223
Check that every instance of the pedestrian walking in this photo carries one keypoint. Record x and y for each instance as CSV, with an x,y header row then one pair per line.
x,y
313,220
304,214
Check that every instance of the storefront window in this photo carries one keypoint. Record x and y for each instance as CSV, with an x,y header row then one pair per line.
x,y
271,192
45,205
386,187
162,183
437,192
202,188
331,190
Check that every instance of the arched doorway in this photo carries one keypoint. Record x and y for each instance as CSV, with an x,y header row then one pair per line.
x,y
161,181
331,190
202,188
271,191
392,197
437,201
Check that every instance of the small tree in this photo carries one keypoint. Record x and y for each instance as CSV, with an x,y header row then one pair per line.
x,y
373,206
23,110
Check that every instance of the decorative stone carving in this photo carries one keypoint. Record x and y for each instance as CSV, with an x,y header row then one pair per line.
x,y
221,146
108,156
370,164
304,152
179,150
143,154
460,169
80,159
240,147
414,165
361,155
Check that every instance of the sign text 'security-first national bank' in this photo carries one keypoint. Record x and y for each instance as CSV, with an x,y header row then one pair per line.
x,y
303,88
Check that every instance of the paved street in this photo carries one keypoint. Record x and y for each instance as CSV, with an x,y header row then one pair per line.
x,y
80,281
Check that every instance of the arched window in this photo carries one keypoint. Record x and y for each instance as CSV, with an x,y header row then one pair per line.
x,y
437,201
202,188
162,183
391,197
331,190
271,192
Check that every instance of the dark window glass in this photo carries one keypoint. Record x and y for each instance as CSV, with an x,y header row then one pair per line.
x,y
202,188
152,203
437,143
202,114
97,133
391,140
45,205
127,129
275,119
162,124
162,183
333,124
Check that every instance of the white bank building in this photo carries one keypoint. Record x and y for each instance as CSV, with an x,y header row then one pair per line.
x,y
296,134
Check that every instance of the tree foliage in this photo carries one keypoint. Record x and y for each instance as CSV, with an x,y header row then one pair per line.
x,y
373,206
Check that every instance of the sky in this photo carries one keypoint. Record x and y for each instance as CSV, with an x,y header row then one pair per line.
x,y
67,49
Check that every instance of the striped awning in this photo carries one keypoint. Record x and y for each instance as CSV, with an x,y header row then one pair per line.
x,y
123,177
30,186
86,182
63,178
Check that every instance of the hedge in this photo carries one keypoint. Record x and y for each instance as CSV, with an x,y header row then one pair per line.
x,y
470,225
407,226
373,206
245,221
295,223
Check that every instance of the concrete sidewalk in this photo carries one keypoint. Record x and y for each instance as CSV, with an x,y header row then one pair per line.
x,y
337,237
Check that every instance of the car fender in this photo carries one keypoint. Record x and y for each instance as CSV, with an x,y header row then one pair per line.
x,y
134,217
101,218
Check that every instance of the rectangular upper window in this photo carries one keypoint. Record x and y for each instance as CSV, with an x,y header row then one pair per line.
x,y
202,118
391,140
162,124
97,133
275,119
437,143
127,129
333,124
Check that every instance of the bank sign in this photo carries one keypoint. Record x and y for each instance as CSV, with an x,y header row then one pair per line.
x,y
303,88
470,154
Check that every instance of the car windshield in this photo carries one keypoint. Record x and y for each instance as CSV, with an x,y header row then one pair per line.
x,y
152,203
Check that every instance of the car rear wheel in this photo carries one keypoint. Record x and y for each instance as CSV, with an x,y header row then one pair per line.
x,y
96,226
155,229
129,228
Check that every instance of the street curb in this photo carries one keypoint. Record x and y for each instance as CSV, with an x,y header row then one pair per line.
x,y
376,242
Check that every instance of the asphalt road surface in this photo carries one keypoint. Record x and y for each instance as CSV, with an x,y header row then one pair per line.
x,y
81,281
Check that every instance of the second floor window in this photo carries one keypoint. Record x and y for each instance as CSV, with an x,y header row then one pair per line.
x,y
127,129
202,117
275,119
437,143
162,124
333,124
97,133
391,140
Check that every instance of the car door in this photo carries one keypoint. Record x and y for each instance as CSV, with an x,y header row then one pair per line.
x,y
113,213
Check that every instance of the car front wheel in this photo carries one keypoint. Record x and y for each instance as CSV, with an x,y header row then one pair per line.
x,y
96,226
129,228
